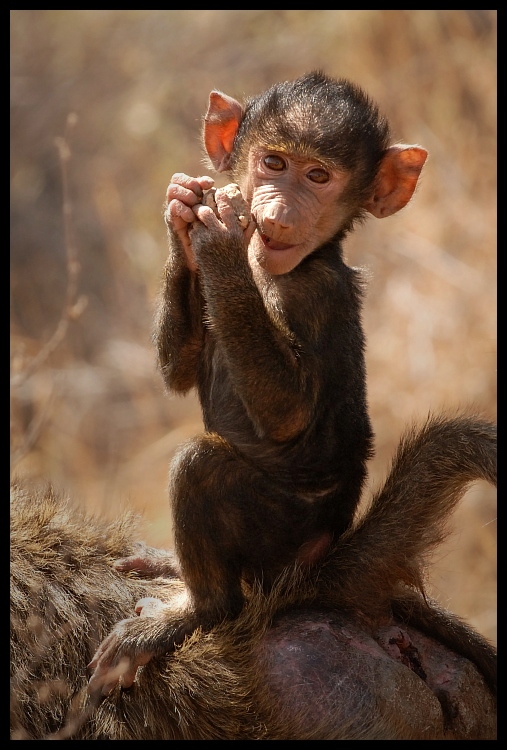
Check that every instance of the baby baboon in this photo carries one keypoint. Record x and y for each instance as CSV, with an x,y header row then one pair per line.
x,y
265,322
346,649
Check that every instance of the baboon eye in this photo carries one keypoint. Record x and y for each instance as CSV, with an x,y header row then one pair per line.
x,y
318,175
274,162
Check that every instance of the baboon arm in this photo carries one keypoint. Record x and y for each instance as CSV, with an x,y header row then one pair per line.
x,y
179,331
275,374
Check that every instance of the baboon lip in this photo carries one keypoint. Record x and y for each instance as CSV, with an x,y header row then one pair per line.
x,y
273,244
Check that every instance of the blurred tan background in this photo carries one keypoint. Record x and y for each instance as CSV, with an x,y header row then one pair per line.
x,y
127,90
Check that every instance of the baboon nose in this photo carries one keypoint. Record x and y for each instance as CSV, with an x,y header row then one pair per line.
x,y
278,215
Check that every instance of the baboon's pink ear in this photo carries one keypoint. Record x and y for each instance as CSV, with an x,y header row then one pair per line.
x,y
220,127
396,179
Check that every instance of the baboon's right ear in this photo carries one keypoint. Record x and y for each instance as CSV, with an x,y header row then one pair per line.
x,y
220,127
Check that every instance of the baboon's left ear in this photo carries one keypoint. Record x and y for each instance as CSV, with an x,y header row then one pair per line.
x,y
220,127
396,179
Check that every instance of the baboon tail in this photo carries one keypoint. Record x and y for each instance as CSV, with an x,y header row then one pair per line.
x,y
407,518
377,567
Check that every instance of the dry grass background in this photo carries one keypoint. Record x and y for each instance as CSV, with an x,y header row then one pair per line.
x,y
93,416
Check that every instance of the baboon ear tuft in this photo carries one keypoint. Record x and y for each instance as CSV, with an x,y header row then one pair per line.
x,y
220,127
396,179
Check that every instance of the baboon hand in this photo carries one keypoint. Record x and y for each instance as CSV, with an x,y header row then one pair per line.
x,y
224,215
119,656
149,606
135,641
183,193
238,203
149,563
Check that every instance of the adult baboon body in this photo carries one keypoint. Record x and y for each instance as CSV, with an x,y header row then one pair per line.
x,y
326,655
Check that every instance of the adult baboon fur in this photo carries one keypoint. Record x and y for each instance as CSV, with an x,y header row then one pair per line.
x,y
335,653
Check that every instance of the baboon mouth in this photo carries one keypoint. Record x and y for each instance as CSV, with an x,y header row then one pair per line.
x,y
273,244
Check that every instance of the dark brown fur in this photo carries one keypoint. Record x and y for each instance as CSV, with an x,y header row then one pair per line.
x,y
283,393
276,352
277,359
334,652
